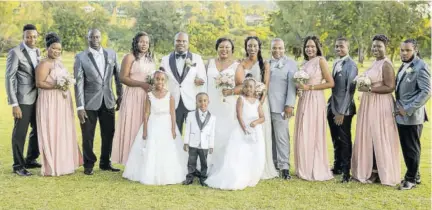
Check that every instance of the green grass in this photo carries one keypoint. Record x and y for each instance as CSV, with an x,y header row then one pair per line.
x,y
109,190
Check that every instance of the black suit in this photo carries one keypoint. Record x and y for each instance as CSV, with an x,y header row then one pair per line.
x,y
341,102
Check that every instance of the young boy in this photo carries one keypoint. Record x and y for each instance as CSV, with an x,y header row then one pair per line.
x,y
199,138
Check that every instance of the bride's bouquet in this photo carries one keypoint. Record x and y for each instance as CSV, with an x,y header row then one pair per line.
x,y
63,83
260,88
224,81
362,81
300,77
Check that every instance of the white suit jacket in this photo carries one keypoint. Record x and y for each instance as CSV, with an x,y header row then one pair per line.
x,y
196,137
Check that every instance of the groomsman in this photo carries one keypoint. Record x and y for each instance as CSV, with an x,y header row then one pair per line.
x,y
187,76
94,69
413,90
22,94
341,108
281,95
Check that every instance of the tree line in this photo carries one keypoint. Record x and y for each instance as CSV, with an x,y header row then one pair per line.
x,y
207,21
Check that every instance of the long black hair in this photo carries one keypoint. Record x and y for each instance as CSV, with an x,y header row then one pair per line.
x,y
317,44
136,51
260,59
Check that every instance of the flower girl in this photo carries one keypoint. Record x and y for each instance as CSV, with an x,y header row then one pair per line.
x,y
157,156
244,158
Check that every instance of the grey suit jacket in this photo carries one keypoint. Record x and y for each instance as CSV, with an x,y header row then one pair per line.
x,y
20,77
412,92
341,101
91,88
282,89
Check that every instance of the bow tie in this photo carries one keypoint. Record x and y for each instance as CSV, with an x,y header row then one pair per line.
x,y
32,50
183,56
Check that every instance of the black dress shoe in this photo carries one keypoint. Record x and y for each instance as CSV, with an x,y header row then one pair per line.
x,y
22,172
407,185
202,182
109,168
336,171
346,178
33,164
285,174
187,182
88,171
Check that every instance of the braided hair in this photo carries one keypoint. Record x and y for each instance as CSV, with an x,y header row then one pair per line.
x,y
51,38
415,44
260,58
135,49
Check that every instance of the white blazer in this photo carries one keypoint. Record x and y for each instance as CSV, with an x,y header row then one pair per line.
x,y
195,137
185,86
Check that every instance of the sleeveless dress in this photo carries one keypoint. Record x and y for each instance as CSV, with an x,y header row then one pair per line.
x,y
269,168
159,160
377,133
57,139
225,113
310,145
131,113
244,157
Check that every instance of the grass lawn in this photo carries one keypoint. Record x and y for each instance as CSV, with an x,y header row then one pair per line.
x,y
107,190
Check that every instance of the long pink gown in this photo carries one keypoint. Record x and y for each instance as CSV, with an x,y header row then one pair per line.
x,y
376,131
310,145
58,143
131,111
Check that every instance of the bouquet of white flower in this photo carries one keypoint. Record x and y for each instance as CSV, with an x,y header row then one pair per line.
x,y
363,81
63,82
260,88
301,77
224,81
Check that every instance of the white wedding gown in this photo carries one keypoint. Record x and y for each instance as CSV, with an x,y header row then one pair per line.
x,y
225,113
244,155
159,160
269,168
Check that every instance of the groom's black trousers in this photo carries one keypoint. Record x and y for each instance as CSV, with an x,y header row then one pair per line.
x,y
409,136
341,137
181,114
107,126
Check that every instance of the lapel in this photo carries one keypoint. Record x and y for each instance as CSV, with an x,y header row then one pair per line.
x,y
90,55
403,75
201,125
24,50
106,62
186,67
173,67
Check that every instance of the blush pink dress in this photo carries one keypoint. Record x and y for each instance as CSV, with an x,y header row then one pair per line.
x,y
58,143
376,132
131,111
310,145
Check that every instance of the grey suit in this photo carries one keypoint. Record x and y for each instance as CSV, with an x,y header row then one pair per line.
x,y
94,92
21,89
341,103
412,92
281,93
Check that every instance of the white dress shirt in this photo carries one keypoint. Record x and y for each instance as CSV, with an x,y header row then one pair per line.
x,y
202,115
100,59
338,65
33,55
180,63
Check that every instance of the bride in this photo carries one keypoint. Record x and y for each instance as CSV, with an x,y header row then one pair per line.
x,y
260,70
222,101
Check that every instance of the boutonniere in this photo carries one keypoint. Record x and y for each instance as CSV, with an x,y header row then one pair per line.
x,y
110,61
189,63
280,65
409,70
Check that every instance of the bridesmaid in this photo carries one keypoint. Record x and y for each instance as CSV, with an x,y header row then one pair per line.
x,y
254,64
136,66
310,145
225,111
57,138
376,147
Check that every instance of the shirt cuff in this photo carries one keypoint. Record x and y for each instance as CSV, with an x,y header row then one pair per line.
x,y
14,105
80,108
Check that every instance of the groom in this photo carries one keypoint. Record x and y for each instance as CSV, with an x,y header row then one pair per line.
x,y
94,69
281,95
22,93
187,77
